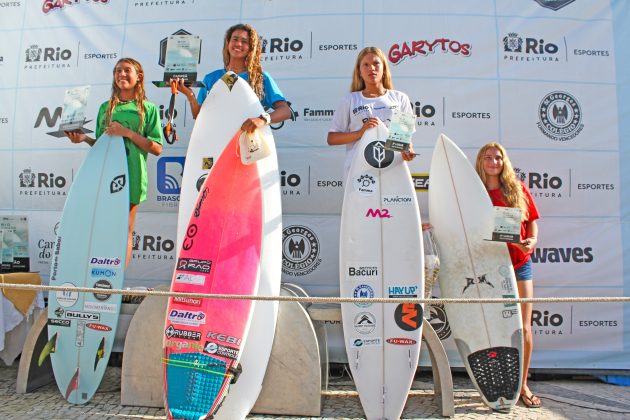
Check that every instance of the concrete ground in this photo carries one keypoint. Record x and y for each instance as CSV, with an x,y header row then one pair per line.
x,y
572,398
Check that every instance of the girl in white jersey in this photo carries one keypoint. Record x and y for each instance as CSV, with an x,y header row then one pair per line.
x,y
371,98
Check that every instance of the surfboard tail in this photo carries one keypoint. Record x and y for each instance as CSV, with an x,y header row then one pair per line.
x,y
49,347
496,371
205,380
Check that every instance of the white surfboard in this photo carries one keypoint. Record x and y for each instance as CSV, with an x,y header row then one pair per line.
x,y
380,255
228,104
488,336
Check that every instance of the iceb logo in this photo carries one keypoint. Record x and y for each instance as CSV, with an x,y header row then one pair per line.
x,y
169,174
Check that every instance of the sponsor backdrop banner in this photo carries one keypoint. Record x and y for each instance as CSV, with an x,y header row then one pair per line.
x,y
547,78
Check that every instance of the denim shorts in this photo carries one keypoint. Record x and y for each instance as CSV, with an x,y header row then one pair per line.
x,y
524,272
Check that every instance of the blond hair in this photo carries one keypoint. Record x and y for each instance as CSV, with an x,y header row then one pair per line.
x,y
508,181
357,82
252,61
139,93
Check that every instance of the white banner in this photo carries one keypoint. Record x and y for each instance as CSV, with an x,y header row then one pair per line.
x,y
547,78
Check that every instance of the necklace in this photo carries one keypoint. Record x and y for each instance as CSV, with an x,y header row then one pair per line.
x,y
236,71
372,94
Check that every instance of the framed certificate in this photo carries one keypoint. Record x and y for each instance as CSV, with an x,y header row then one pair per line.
x,y
400,131
507,224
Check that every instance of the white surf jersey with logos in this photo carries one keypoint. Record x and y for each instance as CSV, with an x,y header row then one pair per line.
x,y
355,109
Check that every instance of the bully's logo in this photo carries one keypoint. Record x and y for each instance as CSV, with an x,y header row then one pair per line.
x,y
477,280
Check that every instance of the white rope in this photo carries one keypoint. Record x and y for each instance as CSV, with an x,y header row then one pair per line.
x,y
432,301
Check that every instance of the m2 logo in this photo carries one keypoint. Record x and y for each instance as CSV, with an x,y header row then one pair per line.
x,y
378,213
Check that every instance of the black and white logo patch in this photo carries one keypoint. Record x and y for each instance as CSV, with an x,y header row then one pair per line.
x,y
102,284
364,322
118,184
172,332
560,116
377,156
300,251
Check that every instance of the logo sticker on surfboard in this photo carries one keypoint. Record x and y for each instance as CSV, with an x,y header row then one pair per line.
x,y
67,298
364,322
367,342
408,316
377,156
365,184
363,291
118,184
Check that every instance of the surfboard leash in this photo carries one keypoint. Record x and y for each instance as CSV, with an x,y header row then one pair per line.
x,y
170,134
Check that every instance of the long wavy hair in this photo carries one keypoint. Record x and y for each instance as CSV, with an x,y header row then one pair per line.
x,y
252,61
139,93
357,82
509,183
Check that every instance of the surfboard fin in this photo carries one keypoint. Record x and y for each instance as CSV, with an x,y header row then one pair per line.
x,y
100,353
73,384
235,372
49,347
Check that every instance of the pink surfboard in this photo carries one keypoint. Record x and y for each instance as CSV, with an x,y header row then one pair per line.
x,y
220,254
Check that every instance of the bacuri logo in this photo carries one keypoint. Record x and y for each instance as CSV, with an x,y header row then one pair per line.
x,y
152,247
528,49
363,271
425,47
563,255
41,183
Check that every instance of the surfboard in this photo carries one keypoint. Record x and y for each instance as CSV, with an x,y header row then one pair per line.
x,y
488,336
234,96
381,255
89,251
